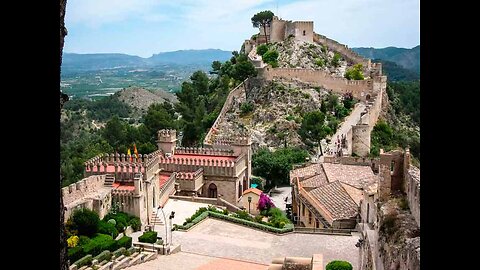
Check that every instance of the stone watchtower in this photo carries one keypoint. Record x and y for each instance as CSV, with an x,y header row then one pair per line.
x,y
167,140
243,145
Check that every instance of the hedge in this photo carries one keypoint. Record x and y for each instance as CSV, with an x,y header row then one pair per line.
x,y
100,243
287,228
339,265
75,253
105,255
119,252
148,237
107,228
125,242
87,260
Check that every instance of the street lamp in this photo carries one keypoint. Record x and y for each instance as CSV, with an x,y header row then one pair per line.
x,y
249,201
165,220
172,215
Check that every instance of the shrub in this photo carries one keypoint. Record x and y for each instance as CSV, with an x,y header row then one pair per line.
x,y
339,265
87,260
148,237
270,57
107,228
311,46
290,117
100,243
72,241
119,252
243,215
319,62
324,49
75,253
86,221
225,211
135,224
336,60
264,203
258,218
246,108
262,49
125,242
104,255
355,73
83,240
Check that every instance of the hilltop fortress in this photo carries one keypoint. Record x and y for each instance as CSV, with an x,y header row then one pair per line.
x,y
370,92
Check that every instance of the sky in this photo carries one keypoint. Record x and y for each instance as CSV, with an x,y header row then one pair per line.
x,y
146,27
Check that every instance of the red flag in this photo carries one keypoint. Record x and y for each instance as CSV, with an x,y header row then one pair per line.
x,y
135,150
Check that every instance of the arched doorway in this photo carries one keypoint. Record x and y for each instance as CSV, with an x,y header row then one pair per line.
x,y
212,191
367,97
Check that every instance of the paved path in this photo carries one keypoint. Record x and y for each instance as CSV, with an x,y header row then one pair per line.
x,y
190,261
227,240
346,125
278,196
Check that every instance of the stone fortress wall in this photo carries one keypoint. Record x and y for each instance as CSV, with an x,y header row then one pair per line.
x,y
369,91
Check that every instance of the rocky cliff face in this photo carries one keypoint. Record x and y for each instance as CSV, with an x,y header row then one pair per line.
x,y
398,236
300,54
276,115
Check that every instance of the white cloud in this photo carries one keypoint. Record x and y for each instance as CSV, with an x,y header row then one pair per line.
x,y
94,13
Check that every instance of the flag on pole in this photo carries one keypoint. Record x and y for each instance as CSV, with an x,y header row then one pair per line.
x,y
129,154
135,150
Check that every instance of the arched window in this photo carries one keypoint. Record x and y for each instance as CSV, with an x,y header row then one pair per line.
x,y
212,191
304,32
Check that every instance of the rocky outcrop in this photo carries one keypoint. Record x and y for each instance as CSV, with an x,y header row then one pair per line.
x,y
398,236
140,99
301,54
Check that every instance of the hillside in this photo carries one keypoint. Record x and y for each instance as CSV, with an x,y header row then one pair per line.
x,y
407,58
190,57
278,109
395,72
139,99
300,54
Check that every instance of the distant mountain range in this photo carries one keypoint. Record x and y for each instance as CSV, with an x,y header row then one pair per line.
x,y
394,59
407,58
97,61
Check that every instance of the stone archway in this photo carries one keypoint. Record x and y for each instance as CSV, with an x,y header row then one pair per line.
x,y
212,191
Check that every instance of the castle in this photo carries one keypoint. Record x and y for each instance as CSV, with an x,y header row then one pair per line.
x,y
139,185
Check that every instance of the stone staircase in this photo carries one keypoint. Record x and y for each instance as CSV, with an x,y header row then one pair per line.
x,y
109,180
156,219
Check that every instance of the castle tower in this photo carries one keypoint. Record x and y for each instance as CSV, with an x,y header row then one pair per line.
x,y
361,139
391,173
167,139
243,145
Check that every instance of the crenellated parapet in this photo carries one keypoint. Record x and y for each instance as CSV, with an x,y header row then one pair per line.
x,y
82,188
211,166
167,135
204,151
343,50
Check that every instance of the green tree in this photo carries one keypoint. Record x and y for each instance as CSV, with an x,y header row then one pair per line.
x,y
159,116
85,221
115,132
313,127
263,19
270,57
262,49
216,65
243,70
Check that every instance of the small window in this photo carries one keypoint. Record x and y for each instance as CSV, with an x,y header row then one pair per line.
x,y
392,166
304,32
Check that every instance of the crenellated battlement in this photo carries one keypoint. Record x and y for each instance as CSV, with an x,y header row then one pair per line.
x,y
204,151
343,50
167,135
82,188
189,175
197,162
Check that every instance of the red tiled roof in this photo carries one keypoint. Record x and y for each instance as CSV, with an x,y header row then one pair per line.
x,y
163,178
335,199
254,190
307,171
353,175
118,186
205,157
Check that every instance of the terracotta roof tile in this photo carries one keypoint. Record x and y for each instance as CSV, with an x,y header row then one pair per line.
x,y
353,175
254,190
307,171
335,199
